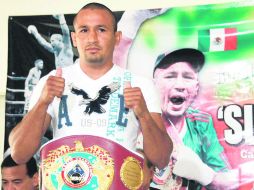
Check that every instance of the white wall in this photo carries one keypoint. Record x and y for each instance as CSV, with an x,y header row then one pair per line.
x,y
45,7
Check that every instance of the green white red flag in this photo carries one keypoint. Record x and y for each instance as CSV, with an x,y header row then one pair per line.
x,y
218,39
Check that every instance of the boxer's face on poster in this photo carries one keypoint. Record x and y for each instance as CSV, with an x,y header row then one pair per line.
x,y
56,41
178,86
39,65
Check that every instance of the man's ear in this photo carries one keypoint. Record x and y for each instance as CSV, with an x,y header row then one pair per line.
x,y
73,37
35,179
118,37
197,88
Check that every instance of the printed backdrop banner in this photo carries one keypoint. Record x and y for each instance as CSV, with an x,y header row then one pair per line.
x,y
224,33
30,39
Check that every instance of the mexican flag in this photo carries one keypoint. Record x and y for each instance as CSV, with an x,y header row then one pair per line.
x,y
219,39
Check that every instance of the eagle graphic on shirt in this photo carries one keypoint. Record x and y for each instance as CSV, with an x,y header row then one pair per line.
x,y
101,98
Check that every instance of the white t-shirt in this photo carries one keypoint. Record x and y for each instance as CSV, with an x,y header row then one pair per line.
x,y
81,110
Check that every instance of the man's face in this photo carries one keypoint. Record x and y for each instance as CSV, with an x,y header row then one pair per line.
x,y
56,41
39,65
178,86
94,36
16,178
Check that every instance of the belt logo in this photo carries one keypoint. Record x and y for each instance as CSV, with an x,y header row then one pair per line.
x,y
77,172
78,167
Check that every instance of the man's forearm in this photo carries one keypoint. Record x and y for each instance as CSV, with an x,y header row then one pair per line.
x,y
64,26
25,137
43,42
157,144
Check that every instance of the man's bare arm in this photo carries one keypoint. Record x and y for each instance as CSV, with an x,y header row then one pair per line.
x,y
157,144
25,137
44,43
65,30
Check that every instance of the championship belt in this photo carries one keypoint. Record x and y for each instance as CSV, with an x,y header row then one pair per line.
x,y
89,162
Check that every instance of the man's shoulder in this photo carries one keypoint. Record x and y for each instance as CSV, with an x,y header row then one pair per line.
x,y
137,80
119,70
67,70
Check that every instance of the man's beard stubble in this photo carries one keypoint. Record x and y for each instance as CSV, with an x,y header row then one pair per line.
x,y
94,60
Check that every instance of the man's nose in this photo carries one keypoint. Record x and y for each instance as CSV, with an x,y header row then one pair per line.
x,y
92,36
179,84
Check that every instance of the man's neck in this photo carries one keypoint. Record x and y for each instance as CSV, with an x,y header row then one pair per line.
x,y
176,122
95,71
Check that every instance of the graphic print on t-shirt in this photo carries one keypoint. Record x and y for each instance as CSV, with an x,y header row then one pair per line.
x,y
94,105
72,117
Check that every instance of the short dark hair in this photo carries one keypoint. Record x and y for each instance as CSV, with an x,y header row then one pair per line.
x,y
31,165
192,56
98,6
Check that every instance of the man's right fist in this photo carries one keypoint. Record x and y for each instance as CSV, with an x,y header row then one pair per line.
x,y
54,87
32,29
